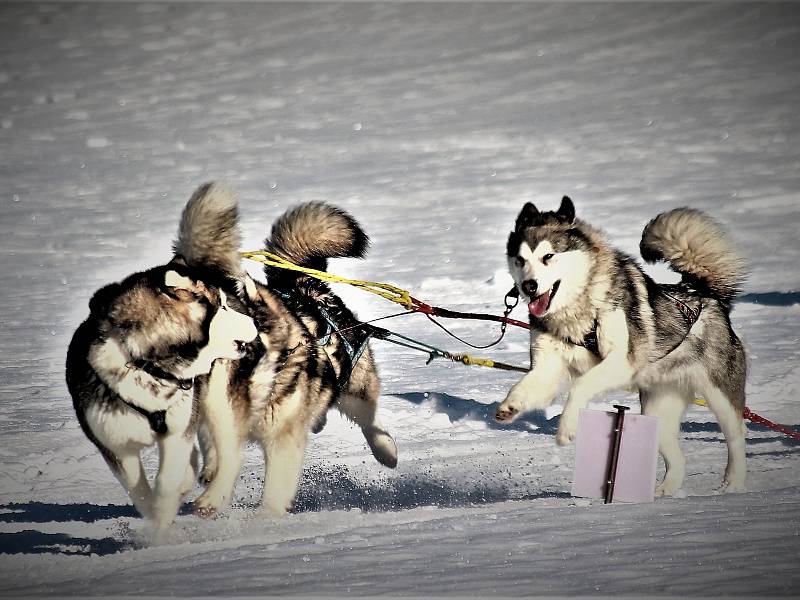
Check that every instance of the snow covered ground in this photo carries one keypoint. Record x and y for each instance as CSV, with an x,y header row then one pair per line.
x,y
433,124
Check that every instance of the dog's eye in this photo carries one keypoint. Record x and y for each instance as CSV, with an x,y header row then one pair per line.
x,y
546,258
519,261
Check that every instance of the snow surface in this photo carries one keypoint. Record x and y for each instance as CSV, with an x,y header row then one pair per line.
x,y
433,124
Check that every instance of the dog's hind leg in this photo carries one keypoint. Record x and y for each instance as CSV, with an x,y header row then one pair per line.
x,y
359,403
668,403
734,429
363,411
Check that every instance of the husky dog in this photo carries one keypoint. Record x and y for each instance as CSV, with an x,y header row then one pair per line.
x,y
601,322
132,364
313,355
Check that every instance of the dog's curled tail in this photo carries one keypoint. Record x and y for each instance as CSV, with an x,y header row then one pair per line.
x,y
696,247
311,233
208,234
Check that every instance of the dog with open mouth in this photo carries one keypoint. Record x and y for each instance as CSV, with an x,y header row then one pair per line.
x,y
600,322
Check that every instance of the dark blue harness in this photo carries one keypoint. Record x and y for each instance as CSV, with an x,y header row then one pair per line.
x,y
353,352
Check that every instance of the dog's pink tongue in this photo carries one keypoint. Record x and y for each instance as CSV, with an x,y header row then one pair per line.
x,y
539,306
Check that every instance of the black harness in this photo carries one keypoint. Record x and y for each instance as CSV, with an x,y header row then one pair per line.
x,y
590,341
353,351
353,348
158,418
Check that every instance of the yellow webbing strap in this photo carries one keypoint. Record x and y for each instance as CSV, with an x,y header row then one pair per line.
x,y
385,290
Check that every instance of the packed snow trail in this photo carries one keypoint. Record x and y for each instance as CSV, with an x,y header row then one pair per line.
x,y
432,124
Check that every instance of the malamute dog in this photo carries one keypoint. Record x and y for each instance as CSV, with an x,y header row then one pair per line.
x,y
599,321
312,356
131,367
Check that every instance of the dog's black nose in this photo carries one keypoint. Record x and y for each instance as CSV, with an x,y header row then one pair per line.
x,y
529,287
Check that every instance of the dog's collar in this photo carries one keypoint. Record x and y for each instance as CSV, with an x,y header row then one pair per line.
x,y
155,371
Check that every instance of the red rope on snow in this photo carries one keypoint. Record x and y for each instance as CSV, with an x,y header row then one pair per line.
x,y
750,415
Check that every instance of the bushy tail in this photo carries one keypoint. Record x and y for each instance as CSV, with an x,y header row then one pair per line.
x,y
696,247
208,235
311,233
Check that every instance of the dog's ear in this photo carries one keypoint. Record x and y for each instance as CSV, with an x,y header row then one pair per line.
x,y
526,216
178,260
182,287
566,212
103,298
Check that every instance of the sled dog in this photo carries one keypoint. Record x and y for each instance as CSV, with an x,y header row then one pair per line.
x,y
600,322
312,355
133,366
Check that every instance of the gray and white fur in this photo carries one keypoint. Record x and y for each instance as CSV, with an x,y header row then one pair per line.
x,y
599,322
279,392
132,366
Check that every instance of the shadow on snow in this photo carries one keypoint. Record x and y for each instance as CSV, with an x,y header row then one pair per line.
x,y
771,298
333,487
457,408
42,512
37,542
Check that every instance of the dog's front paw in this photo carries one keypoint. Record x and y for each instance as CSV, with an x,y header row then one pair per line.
x,y
505,413
208,504
204,512
567,430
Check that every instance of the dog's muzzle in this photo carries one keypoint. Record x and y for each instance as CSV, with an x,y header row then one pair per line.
x,y
529,287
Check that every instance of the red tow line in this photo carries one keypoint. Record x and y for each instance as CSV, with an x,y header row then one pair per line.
x,y
750,415
438,311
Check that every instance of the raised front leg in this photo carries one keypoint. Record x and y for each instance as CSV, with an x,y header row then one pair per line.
x,y
613,372
538,388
